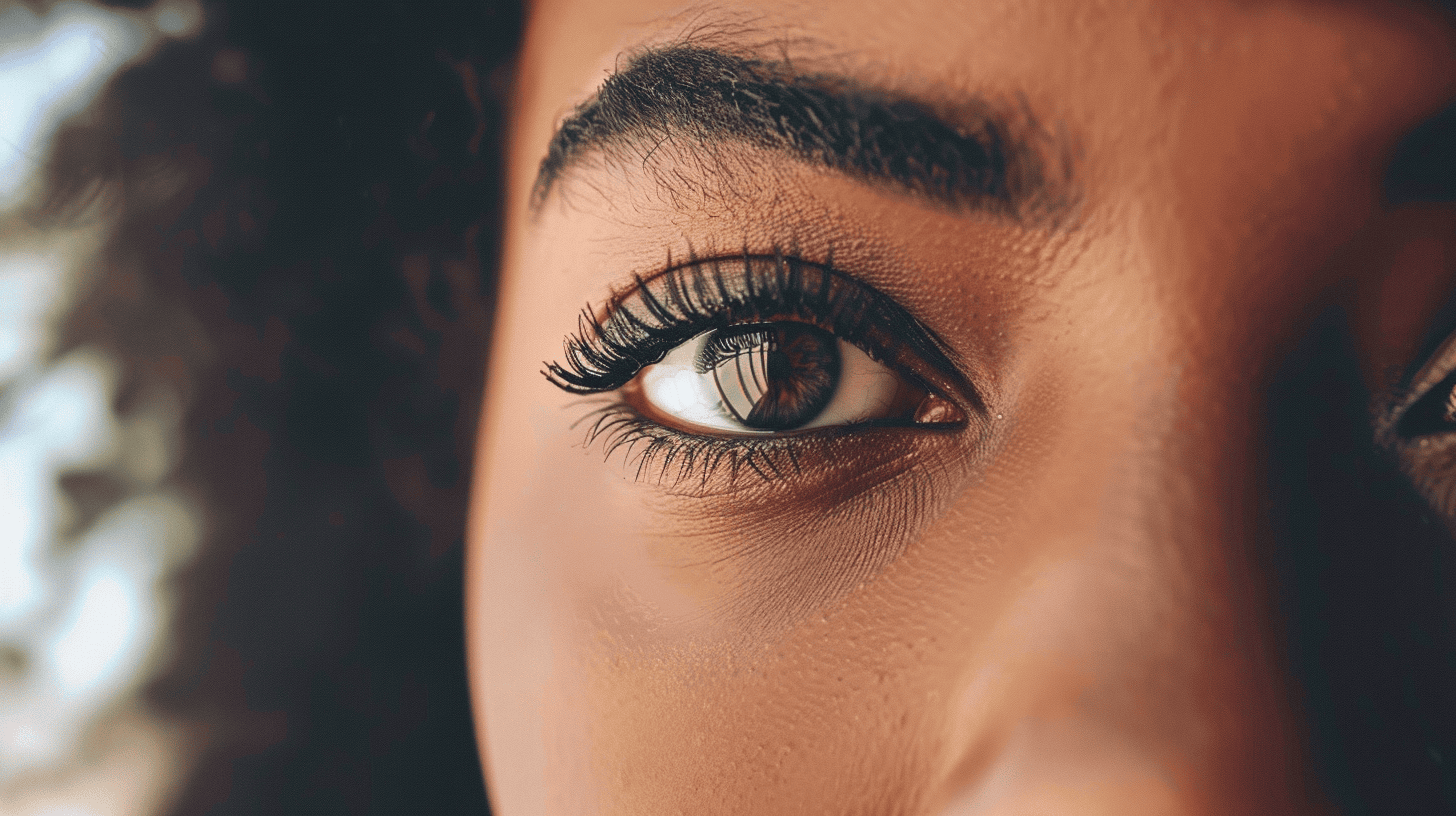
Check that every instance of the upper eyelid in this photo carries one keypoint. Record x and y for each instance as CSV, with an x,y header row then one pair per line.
x,y
1437,337
922,341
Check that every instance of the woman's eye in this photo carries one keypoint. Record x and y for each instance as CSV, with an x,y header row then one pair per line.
x,y
1423,431
772,377
1433,413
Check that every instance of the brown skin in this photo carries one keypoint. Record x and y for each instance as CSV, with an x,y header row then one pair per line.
x,y
1060,608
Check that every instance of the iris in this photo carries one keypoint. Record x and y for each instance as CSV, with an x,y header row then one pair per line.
x,y
773,377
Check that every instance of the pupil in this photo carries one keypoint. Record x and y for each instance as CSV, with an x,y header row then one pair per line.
x,y
773,377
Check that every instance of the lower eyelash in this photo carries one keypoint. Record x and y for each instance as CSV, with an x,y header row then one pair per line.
x,y
653,450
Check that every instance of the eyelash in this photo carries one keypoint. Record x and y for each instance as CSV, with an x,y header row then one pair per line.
x,y
656,449
1415,428
606,353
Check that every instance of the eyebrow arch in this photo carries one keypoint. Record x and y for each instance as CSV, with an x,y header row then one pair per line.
x,y
986,161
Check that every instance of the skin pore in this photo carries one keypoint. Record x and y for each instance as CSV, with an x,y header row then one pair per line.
x,y
1076,242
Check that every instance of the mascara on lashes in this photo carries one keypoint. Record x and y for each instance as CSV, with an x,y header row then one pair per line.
x,y
662,311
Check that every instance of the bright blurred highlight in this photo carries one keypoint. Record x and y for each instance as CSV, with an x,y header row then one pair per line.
x,y
50,68
83,601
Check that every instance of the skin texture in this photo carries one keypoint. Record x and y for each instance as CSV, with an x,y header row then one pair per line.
x,y
1062,606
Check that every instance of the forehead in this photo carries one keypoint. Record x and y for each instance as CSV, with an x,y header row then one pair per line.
x,y
1117,73
1196,129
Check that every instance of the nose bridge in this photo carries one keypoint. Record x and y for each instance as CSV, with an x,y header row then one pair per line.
x,y
1186,504
1192,477
1148,644
1153,682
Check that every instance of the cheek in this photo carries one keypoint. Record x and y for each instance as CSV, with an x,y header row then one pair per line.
x,y
622,651
761,648
875,701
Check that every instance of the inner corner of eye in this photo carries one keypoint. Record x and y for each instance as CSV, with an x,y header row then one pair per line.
x,y
882,393
1433,413
937,410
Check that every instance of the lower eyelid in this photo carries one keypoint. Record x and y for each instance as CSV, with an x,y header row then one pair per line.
x,y
653,451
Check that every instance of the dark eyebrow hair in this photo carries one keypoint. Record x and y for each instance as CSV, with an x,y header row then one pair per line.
x,y
986,161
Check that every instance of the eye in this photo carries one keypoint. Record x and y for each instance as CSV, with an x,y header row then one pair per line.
x,y
1427,411
773,377
1433,413
1422,431
722,362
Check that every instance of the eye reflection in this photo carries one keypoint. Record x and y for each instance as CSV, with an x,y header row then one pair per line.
x,y
773,377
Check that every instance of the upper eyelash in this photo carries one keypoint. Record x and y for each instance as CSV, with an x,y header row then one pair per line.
x,y
607,352
1418,384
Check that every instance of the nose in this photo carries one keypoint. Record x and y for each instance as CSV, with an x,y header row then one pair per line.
x,y
1217,694
1153,670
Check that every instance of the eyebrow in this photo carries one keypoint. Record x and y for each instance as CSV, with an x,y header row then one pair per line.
x,y
981,159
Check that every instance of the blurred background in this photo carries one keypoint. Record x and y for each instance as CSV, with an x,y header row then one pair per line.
x,y
244,291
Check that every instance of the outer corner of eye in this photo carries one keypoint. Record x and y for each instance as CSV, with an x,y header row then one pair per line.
x,y
1434,412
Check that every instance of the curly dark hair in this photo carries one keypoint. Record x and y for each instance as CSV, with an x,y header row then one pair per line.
x,y
308,213
309,199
